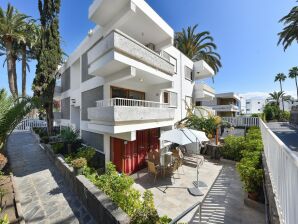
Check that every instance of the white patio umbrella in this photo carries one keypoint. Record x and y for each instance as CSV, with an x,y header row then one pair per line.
x,y
185,136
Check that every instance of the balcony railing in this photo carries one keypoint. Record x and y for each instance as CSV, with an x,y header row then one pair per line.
x,y
229,107
124,102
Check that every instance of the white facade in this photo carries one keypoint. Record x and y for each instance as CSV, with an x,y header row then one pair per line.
x,y
126,75
225,104
255,106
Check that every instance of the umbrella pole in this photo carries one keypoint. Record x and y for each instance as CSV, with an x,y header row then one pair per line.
x,y
195,191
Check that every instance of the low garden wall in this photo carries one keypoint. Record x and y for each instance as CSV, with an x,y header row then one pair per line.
x,y
99,205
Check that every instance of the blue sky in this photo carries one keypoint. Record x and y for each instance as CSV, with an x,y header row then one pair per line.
x,y
245,32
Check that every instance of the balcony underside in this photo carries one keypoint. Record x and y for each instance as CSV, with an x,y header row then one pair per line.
x,y
121,115
202,70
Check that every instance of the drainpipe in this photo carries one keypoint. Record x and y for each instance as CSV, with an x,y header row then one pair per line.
x,y
181,79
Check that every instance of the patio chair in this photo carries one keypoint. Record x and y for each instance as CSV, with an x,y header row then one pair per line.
x,y
153,169
177,153
156,155
151,156
173,168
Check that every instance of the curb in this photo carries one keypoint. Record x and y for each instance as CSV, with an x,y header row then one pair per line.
x,y
20,215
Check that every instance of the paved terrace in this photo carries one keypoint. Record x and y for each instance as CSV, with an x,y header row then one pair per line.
x,y
223,204
44,196
286,133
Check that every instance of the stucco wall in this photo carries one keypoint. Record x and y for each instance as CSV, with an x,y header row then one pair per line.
x,y
89,99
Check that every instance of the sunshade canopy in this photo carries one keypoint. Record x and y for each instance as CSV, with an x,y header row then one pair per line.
x,y
184,136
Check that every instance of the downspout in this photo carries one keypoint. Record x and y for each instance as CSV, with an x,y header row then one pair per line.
x,y
181,84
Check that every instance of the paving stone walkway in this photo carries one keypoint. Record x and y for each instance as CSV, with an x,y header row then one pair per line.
x,y
44,196
224,204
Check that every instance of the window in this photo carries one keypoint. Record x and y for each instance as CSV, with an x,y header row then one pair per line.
x,y
259,109
170,98
173,61
188,73
247,109
247,102
258,102
188,101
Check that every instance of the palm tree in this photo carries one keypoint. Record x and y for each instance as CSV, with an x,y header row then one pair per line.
x,y
198,46
276,97
293,73
26,46
280,77
11,32
290,31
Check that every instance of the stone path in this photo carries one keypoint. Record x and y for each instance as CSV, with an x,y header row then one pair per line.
x,y
285,133
225,202
44,196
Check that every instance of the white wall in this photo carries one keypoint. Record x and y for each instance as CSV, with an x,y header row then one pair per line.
x,y
255,106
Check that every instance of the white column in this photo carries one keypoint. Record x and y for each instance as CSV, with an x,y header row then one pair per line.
x,y
107,147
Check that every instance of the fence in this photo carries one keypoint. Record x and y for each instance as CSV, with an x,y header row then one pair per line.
x,y
283,170
242,121
29,123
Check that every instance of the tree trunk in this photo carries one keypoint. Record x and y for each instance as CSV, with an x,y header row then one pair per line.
x,y
24,70
296,86
15,77
282,99
9,61
49,106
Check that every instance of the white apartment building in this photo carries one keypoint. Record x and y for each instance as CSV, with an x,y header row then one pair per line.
x,y
255,106
224,104
126,82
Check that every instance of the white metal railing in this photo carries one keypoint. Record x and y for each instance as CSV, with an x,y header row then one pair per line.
x,y
123,102
242,121
29,123
283,170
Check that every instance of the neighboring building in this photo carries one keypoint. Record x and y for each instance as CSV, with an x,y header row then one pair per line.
x,y
225,104
255,106
126,83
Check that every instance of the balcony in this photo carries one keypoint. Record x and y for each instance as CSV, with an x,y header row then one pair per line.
x,y
203,92
121,112
117,51
226,108
202,70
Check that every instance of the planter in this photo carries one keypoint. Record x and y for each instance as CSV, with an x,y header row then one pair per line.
x,y
78,171
253,196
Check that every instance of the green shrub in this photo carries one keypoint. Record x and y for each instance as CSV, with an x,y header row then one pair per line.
x,y
250,165
284,116
45,139
255,115
78,163
58,147
69,135
86,152
233,147
271,112
147,211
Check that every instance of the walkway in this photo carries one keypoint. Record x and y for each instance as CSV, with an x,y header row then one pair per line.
x,y
43,194
285,133
225,202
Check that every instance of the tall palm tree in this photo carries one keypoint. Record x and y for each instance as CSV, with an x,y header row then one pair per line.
x,y
276,97
26,45
293,73
198,46
289,33
11,32
280,77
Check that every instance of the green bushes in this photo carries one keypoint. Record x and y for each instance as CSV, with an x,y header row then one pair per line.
x,y
250,165
233,147
86,152
119,188
58,147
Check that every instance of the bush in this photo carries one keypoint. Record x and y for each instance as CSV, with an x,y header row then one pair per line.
x,y
45,139
58,147
255,115
78,163
233,147
250,165
271,112
69,135
86,152
284,116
